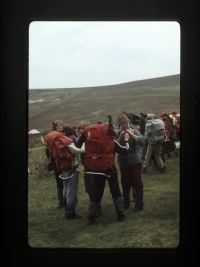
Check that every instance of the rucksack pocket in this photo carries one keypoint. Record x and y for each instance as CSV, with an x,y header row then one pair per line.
x,y
94,147
99,163
160,132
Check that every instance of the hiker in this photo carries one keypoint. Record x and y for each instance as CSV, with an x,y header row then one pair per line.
x,y
57,125
73,183
63,151
82,125
134,123
143,119
168,145
177,127
155,136
99,165
131,163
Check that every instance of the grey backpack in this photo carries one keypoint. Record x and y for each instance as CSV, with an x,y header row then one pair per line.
x,y
155,131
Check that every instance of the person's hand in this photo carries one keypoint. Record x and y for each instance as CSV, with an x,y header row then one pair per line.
x,y
122,133
128,131
126,137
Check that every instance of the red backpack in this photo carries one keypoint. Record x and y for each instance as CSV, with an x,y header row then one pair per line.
x,y
99,148
57,144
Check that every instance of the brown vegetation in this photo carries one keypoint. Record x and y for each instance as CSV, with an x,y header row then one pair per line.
x,y
94,103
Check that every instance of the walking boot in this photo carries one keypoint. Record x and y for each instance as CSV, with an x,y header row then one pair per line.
x,y
126,199
133,194
99,211
139,205
119,206
70,212
144,170
92,213
163,170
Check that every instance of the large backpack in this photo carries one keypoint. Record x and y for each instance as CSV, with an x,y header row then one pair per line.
x,y
99,148
57,144
155,131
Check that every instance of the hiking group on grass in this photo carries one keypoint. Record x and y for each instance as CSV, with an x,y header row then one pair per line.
x,y
136,142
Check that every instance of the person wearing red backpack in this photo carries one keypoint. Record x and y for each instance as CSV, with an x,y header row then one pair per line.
x,y
131,163
99,163
57,125
63,151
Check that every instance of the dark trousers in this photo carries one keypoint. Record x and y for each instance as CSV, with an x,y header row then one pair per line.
x,y
131,177
95,184
59,185
59,182
168,147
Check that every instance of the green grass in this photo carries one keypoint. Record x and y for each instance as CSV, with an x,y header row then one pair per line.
x,y
157,226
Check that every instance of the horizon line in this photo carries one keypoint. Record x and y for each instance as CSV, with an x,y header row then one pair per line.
x,y
102,85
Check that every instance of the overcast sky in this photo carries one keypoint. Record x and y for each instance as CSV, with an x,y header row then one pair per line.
x,y
81,54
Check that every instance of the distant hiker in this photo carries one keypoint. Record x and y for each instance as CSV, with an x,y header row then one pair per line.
x,y
99,163
82,125
168,145
134,123
177,127
131,163
155,136
63,151
143,119
75,134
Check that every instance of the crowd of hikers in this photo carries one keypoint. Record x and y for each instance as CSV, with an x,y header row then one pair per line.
x,y
134,143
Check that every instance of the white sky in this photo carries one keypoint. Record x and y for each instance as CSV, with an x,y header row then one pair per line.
x,y
81,54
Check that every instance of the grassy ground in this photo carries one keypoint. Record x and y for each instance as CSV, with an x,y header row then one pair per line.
x,y
157,226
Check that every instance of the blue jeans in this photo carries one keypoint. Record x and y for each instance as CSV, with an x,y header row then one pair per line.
x,y
70,189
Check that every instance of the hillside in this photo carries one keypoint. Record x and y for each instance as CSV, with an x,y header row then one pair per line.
x,y
94,103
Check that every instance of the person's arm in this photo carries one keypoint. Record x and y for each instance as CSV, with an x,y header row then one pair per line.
x,y
136,136
132,135
75,149
81,140
121,136
47,152
121,149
